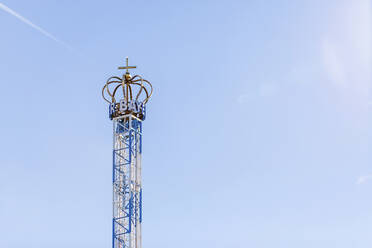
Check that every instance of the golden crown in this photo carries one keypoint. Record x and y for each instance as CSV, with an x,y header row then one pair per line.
x,y
133,94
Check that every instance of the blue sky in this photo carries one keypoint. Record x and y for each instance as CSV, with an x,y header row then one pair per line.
x,y
257,135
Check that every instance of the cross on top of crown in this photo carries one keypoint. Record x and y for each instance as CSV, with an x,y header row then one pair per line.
x,y
127,67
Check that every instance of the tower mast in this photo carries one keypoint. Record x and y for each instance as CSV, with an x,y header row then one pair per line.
x,y
127,116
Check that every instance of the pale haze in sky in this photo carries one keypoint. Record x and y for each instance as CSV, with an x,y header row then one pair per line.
x,y
258,133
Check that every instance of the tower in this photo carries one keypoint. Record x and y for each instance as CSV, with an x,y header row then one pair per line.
x,y
127,114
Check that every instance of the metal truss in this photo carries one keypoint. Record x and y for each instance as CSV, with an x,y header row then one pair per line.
x,y
127,185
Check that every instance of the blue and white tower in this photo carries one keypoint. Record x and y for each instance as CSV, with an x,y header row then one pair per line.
x,y
127,115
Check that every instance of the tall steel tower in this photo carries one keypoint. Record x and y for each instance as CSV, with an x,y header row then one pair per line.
x,y
127,114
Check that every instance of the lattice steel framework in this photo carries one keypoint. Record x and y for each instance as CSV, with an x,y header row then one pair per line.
x,y
127,185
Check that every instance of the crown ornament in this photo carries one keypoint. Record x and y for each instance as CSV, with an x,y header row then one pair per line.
x,y
127,95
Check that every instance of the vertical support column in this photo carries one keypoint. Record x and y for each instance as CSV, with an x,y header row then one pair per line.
x,y
127,186
138,151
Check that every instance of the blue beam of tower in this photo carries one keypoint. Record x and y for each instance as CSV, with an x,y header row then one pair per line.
x,y
127,115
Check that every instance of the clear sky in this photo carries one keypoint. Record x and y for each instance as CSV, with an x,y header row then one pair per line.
x,y
258,133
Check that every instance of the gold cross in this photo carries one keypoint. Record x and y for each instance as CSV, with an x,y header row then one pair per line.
x,y
127,66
